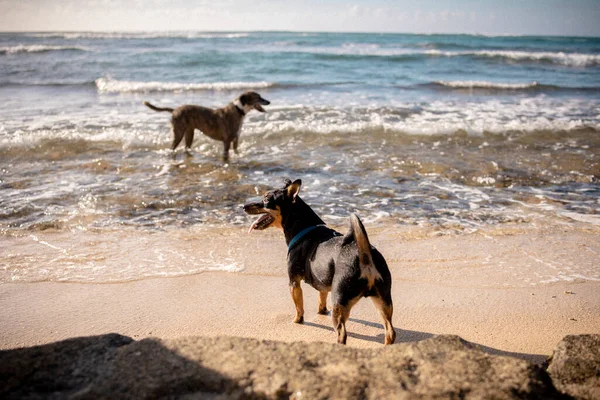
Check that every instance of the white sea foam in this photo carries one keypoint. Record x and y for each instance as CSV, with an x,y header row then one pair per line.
x,y
362,49
487,85
128,137
471,195
63,258
439,117
134,128
38,48
359,49
141,35
587,218
570,59
108,85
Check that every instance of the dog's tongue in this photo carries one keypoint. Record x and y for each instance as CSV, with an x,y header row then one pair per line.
x,y
260,222
254,225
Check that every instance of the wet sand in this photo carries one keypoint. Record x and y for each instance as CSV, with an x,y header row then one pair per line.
x,y
508,289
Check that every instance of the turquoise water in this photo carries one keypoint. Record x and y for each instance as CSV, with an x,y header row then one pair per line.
x,y
452,131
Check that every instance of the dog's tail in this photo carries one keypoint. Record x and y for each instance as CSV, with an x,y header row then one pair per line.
x,y
358,234
158,108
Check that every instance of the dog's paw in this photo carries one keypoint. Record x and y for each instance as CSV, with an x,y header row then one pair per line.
x,y
299,320
323,311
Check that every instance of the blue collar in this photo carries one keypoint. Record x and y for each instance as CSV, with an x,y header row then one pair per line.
x,y
300,235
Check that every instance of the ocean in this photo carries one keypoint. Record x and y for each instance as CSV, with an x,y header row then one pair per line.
x,y
454,133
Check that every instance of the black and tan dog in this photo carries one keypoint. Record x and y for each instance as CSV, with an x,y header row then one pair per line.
x,y
345,265
222,124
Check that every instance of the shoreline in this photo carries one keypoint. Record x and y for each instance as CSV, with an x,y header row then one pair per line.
x,y
515,255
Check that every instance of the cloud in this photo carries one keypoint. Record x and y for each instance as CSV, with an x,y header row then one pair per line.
x,y
356,11
428,16
374,14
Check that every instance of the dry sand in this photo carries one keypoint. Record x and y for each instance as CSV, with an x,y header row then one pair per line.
x,y
511,290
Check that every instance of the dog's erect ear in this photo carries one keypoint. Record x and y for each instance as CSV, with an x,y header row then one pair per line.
x,y
287,182
294,188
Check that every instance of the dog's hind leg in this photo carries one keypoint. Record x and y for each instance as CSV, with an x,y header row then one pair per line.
x,y
189,138
340,314
323,303
178,134
235,145
386,309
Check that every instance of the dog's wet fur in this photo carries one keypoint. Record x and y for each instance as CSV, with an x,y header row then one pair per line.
x,y
345,265
222,124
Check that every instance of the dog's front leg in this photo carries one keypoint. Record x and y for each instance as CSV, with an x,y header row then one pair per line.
x,y
296,292
235,145
226,146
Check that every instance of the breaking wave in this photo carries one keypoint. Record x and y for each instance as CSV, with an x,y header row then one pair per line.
x,y
569,59
147,129
488,85
350,49
38,48
493,87
140,35
108,85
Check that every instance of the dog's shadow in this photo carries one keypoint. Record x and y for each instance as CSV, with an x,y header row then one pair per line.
x,y
408,336
402,335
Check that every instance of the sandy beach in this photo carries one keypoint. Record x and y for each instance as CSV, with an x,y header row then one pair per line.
x,y
507,289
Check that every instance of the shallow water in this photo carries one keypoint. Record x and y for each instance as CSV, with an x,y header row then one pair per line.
x,y
457,181
450,132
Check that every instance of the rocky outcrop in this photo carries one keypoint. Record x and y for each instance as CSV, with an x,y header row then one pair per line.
x,y
575,366
114,366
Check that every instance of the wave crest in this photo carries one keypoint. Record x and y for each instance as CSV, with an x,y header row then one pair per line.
x,y
570,59
372,50
140,35
487,85
496,87
107,85
38,48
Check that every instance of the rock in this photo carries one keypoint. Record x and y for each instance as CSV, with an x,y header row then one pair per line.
x,y
575,366
113,366
59,369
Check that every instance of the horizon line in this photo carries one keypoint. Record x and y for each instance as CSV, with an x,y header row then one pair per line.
x,y
133,31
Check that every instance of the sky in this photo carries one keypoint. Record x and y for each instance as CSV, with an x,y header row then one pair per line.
x,y
505,17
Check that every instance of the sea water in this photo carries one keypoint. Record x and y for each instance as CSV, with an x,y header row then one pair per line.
x,y
455,132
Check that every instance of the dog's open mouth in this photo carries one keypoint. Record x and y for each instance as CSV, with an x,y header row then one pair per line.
x,y
262,222
259,107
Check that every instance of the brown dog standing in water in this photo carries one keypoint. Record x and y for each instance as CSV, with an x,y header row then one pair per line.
x,y
222,124
345,265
